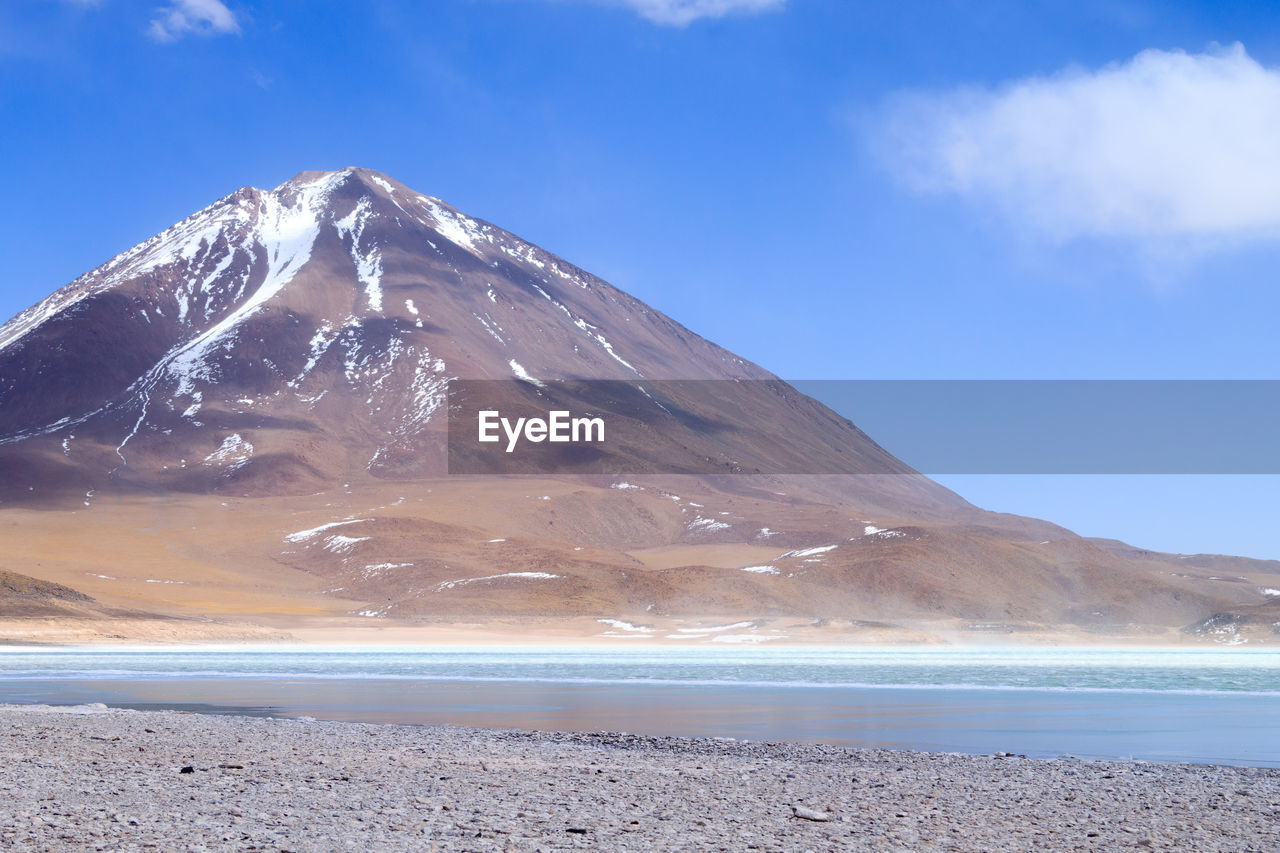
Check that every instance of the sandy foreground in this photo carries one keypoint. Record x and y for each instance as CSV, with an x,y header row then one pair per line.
x,y
89,777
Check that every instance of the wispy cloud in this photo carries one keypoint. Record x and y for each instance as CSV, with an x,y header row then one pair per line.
x,y
679,13
192,17
1166,149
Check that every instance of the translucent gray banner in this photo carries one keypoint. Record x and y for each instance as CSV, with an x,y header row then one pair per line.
x,y
866,427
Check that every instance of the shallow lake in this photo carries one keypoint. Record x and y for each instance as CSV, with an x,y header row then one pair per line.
x,y
1202,705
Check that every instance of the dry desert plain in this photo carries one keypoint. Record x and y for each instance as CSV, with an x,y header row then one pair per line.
x,y
485,561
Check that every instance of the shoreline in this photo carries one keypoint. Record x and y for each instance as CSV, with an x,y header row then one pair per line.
x,y
537,644
213,707
586,632
1055,717
92,776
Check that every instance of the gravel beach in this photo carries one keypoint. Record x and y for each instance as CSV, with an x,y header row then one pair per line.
x,y
88,777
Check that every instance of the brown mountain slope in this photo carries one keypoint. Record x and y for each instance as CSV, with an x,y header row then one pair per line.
x,y
27,596
250,407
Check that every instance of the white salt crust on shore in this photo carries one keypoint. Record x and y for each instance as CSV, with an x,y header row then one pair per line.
x,y
93,778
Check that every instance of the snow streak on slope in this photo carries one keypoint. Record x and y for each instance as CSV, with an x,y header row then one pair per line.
x,y
233,453
518,369
462,231
183,241
368,262
286,233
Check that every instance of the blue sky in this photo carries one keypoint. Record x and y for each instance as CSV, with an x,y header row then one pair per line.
x,y
831,189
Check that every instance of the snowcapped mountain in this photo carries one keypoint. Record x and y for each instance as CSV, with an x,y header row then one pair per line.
x,y
297,343
281,340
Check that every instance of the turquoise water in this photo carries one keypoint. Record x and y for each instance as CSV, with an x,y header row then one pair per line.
x,y
1180,670
1209,705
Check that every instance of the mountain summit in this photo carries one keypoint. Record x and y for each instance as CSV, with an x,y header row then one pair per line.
x,y
297,343
283,340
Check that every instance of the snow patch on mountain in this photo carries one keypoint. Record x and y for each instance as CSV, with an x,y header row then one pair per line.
x,y
194,407
807,552
880,532
516,575
339,544
324,335
386,185
181,242
621,625
381,568
304,535
715,629
491,326
232,454
286,233
425,395
457,228
521,373
368,261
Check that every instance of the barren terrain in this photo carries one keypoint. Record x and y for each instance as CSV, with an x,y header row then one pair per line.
x,y
89,777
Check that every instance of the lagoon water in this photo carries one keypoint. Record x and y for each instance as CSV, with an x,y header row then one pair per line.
x,y
1202,705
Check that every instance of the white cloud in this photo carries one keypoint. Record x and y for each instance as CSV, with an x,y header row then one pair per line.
x,y
201,17
679,13
1169,148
